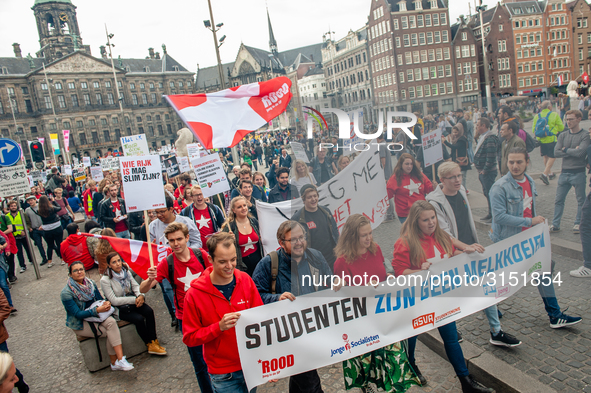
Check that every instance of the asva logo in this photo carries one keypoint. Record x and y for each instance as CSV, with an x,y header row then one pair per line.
x,y
345,124
424,320
272,98
268,366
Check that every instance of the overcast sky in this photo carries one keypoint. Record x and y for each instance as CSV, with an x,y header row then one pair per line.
x,y
139,25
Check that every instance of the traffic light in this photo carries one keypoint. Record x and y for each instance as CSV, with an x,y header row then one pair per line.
x,y
37,152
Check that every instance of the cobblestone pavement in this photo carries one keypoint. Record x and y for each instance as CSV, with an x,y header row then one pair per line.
x,y
47,352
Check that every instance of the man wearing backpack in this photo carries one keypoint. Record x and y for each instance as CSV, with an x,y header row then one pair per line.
x,y
546,126
274,281
180,269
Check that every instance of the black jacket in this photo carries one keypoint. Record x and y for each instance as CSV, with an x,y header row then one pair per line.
x,y
108,212
275,193
135,222
97,198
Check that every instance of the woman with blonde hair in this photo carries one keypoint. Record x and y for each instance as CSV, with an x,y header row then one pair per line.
x,y
103,249
261,180
8,373
301,175
246,233
342,163
385,368
421,244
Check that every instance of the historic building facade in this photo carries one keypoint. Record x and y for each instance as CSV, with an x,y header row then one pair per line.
x,y
66,88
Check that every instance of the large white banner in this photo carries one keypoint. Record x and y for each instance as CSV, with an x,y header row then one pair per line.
x,y
142,183
286,338
359,188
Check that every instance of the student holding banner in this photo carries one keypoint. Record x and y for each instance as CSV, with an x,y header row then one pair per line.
x,y
387,368
421,244
407,185
513,201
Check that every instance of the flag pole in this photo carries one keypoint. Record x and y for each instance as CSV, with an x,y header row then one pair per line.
x,y
146,223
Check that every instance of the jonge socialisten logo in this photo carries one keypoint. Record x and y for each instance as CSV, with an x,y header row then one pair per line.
x,y
347,346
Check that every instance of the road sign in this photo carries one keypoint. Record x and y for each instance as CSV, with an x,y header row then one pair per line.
x,y
10,152
13,180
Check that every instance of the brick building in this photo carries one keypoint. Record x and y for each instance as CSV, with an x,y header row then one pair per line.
x,y
82,90
559,39
466,63
580,12
347,73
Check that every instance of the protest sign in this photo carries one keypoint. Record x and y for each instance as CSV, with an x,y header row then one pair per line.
x,y
31,182
195,150
36,175
359,188
68,170
299,152
183,164
75,161
275,340
172,166
55,144
79,174
142,183
86,161
135,145
210,174
96,172
110,163
43,176
13,180
66,139
432,148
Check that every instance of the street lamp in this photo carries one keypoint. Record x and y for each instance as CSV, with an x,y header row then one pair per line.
x,y
110,45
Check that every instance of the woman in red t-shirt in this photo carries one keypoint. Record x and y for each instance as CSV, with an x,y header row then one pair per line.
x,y
407,185
421,244
360,259
246,232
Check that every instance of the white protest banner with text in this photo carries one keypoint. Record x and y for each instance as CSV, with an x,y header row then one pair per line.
x,y
299,152
135,145
86,161
142,183
195,150
36,175
13,180
68,170
432,148
183,162
210,174
79,173
97,173
287,338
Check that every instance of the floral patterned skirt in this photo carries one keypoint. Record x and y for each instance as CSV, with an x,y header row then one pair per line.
x,y
387,368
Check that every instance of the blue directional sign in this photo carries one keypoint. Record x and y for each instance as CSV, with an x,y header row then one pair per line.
x,y
10,152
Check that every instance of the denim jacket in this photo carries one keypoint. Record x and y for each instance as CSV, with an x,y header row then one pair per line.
x,y
75,308
506,199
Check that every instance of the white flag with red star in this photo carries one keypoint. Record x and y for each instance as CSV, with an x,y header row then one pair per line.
x,y
223,118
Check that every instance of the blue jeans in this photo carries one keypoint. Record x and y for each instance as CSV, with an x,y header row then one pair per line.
x,y
586,231
487,180
168,295
21,386
401,219
196,355
4,285
549,297
123,235
470,151
230,383
492,314
454,353
565,182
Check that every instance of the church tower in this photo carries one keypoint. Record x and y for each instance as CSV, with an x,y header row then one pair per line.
x,y
272,41
58,29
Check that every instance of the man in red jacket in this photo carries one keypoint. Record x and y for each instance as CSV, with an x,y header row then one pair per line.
x,y
74,248
212,309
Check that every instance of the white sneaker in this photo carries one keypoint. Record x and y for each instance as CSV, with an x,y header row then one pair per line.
x,y
50,264
576,229
63,263
582,272
122,365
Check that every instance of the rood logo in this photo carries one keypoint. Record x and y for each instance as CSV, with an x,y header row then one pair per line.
x,y
424,320
268,366
273,97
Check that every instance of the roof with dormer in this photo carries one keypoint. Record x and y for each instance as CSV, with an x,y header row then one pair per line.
x,y
37,2
411,6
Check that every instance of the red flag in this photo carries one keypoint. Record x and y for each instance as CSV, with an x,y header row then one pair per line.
x,y
223,118
135,253
585,78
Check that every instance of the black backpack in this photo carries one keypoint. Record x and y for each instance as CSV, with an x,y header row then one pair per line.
x,y
170,261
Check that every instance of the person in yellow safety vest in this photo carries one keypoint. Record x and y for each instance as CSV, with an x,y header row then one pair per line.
x,y
87,199
16,219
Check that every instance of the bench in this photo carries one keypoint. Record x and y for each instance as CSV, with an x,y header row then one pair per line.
x,y
132,345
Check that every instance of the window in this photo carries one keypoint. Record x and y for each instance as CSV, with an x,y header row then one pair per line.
x,y
417,74
99,99
473,50
92,122
466,68
61,100
153,97
47,102
421,38
518,39
115,120
95,138
413,39
107,136
410,76
465,50
171,84
458,52
82,137
433,71
428,20
143,86
500,29
406,39
411,92
420,21
440,73
71,85
439,53
416,56
444,36
398,42
419,91
110,99
448,70
408,57
119,83
144,99
423,56
96,85
429,37
437,37
434,89
435,23
74,100
411,22
427,90
401,77
403,94
443,18
79,123
400,60
425,73
58,85
396,24
108,84
404,22
431,54
103,122
464,36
